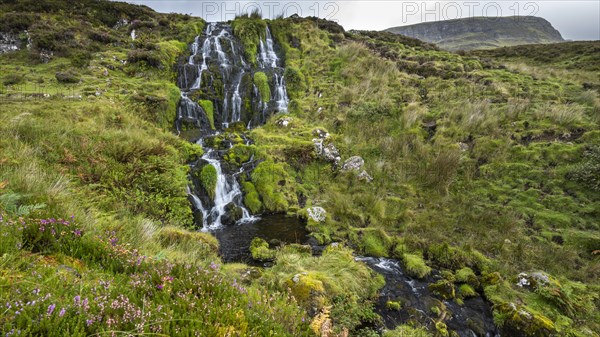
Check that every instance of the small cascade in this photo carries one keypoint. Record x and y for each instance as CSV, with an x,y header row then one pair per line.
x,y
267,58
133,36
227,195
281,97
216,76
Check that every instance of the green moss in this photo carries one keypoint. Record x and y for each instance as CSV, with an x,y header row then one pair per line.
x,y
208,179
275,186
392,305
249,30
466,275
239,154
262,83
295,82
415,265
251,198
260,251
465,290
209,109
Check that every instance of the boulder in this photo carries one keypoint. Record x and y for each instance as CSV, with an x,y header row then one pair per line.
x,y
284,122
364,176
354,163
327,151
317,214
233,213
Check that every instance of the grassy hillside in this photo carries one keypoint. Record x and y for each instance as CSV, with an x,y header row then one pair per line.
x,y
480,168
482,32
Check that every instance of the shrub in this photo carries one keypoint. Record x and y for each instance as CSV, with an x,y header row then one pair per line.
x,y
13,78
260,251
67,77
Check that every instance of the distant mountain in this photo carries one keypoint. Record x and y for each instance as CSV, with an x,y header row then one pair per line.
x,y
482,32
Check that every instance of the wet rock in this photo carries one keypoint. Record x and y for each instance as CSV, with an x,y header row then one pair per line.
x,y
354,163
233,213
317,214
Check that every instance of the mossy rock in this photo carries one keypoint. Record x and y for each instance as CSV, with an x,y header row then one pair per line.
x,y
260,250
209,109
208,179
490,279
393,305
308,291
415,265
466,275
517,320
443,288
251,198
277,189
239,154
465,290
262,83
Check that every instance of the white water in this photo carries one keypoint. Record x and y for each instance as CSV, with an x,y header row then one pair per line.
x,y
133,36
281,96
267,56
198,205
226,192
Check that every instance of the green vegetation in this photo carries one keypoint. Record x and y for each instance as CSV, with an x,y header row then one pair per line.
x,y
208,179
262,83
209,109
250,30
484,167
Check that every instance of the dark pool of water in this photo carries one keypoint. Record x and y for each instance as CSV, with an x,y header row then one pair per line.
x,y
235,240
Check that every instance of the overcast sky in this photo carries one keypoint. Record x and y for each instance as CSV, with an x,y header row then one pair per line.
x,y
576,20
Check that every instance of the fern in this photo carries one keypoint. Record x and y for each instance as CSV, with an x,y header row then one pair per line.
x,y
9,203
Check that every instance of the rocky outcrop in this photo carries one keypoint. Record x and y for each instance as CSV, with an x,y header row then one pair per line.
x,y
354,163
325,149
9,42
482,32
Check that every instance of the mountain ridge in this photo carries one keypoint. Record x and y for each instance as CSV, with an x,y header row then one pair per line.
x,y
482,32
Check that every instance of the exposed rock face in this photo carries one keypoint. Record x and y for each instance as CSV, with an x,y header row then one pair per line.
x,y
482,32
9,42
325,148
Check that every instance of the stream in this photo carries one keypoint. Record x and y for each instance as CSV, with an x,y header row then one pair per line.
x,y
217,75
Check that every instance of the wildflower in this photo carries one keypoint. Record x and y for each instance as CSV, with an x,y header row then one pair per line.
x,y
77,299
51,309
159,287
62,312
89,322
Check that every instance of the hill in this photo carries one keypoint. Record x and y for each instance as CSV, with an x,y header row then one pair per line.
x,y
468,176
482,32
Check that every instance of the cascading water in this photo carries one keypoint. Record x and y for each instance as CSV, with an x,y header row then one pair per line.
x,y
216,72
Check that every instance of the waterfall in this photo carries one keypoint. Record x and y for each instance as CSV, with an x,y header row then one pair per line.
x,y
267,56
281,96
227,192
218,73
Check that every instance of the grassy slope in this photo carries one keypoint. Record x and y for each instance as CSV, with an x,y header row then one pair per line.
x,y
102,151
475,165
